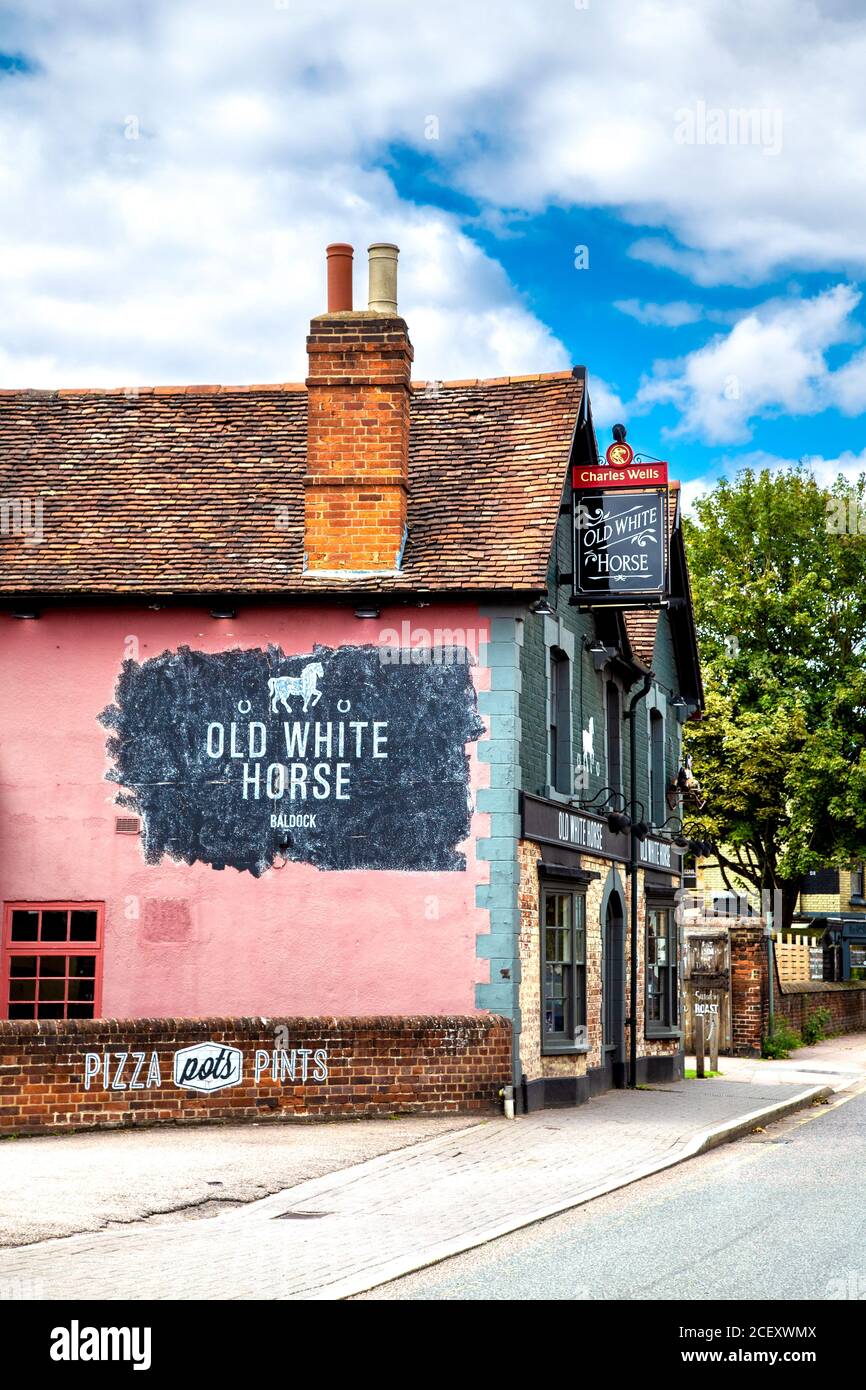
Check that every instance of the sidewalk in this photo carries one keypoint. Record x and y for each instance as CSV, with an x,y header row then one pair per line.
x,y
348,1231
838,1063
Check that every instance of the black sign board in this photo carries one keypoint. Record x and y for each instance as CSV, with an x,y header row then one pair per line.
x,y
339,758
547,822
620,546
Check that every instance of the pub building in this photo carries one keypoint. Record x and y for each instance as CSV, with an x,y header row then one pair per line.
x,y
356,697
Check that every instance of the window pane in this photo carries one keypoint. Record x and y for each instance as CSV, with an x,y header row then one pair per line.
x,y
54,926
554,1016
21,1010
52,965
82,965
25,925
22,965
80,989
52,989
79,1011
650,941
580,947
83,926
557,909
49,1010
22,989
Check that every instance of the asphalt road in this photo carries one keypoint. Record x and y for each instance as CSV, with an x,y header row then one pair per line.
x,y
779,1215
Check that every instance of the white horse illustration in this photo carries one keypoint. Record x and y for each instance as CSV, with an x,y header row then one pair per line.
x,y
306,684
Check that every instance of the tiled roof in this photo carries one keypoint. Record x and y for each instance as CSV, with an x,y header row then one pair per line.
x,y
200,488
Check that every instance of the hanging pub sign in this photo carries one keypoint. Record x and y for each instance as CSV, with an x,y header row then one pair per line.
x,y
620,530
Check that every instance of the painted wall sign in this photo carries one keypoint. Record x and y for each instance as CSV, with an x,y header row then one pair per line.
x,y
336,758
620,545
594,476
205,1067
549,823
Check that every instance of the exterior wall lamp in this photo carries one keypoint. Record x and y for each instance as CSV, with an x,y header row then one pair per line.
x,y
681,708
541,607
25,613
223,613
367,612
601,655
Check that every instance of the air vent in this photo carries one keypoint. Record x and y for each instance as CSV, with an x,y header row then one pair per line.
x,y
127,825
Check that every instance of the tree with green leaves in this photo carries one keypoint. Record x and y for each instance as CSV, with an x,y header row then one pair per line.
x,y
778,572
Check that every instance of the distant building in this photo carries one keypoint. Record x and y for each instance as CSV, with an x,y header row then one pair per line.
x,y
831,910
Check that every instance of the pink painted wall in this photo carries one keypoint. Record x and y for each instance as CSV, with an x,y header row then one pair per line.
x,y
187,941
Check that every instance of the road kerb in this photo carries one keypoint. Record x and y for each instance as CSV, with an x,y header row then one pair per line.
x,y
735,1129
700,1143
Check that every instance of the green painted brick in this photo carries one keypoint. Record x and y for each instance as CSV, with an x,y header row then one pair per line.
x,y
505,678
497,847
505,630
498,702
498,998
503,799
499,751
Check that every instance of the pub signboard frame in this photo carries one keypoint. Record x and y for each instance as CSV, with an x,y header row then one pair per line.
x,y
620,545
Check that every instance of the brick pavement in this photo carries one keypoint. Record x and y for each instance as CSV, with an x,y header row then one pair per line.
x,y
376,1220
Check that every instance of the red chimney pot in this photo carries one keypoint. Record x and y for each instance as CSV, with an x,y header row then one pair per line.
x,y
339,277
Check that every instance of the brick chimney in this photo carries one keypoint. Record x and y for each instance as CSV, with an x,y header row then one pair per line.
x,y
357,477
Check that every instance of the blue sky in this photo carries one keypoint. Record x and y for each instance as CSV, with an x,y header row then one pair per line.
x,y
171,172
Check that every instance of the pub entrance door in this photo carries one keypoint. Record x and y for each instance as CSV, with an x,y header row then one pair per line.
x,y
613,994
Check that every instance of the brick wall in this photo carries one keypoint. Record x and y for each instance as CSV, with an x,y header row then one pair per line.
x,y
845,1000
794,1002
533,1063
343,1067
357,441
749,990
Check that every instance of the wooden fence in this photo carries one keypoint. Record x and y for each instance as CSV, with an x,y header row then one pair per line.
x,y
795,958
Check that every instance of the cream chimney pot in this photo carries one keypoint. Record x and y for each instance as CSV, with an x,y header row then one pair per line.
x,y
383,277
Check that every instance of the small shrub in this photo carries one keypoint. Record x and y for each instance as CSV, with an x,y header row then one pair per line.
x,y
783,1041
815,1026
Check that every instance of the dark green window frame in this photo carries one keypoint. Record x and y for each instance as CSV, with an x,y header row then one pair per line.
x,y
563,970
661,968
559,742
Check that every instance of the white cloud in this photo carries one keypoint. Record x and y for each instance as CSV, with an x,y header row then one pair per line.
x,y
848,465
673,315
773,360
676,313
195,250
607,405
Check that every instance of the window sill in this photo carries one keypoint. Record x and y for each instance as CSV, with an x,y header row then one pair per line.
x,y
564,1049
551,794
662,1034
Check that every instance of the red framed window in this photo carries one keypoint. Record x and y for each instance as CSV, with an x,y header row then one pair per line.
x,y
52,960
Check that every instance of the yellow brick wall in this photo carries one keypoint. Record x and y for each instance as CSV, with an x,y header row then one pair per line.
x,y
534,1064
709,878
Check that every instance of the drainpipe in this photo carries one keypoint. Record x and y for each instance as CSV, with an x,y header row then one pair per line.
x,y
633,862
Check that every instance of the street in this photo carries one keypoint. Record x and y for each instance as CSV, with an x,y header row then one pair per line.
x,y
777,1215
